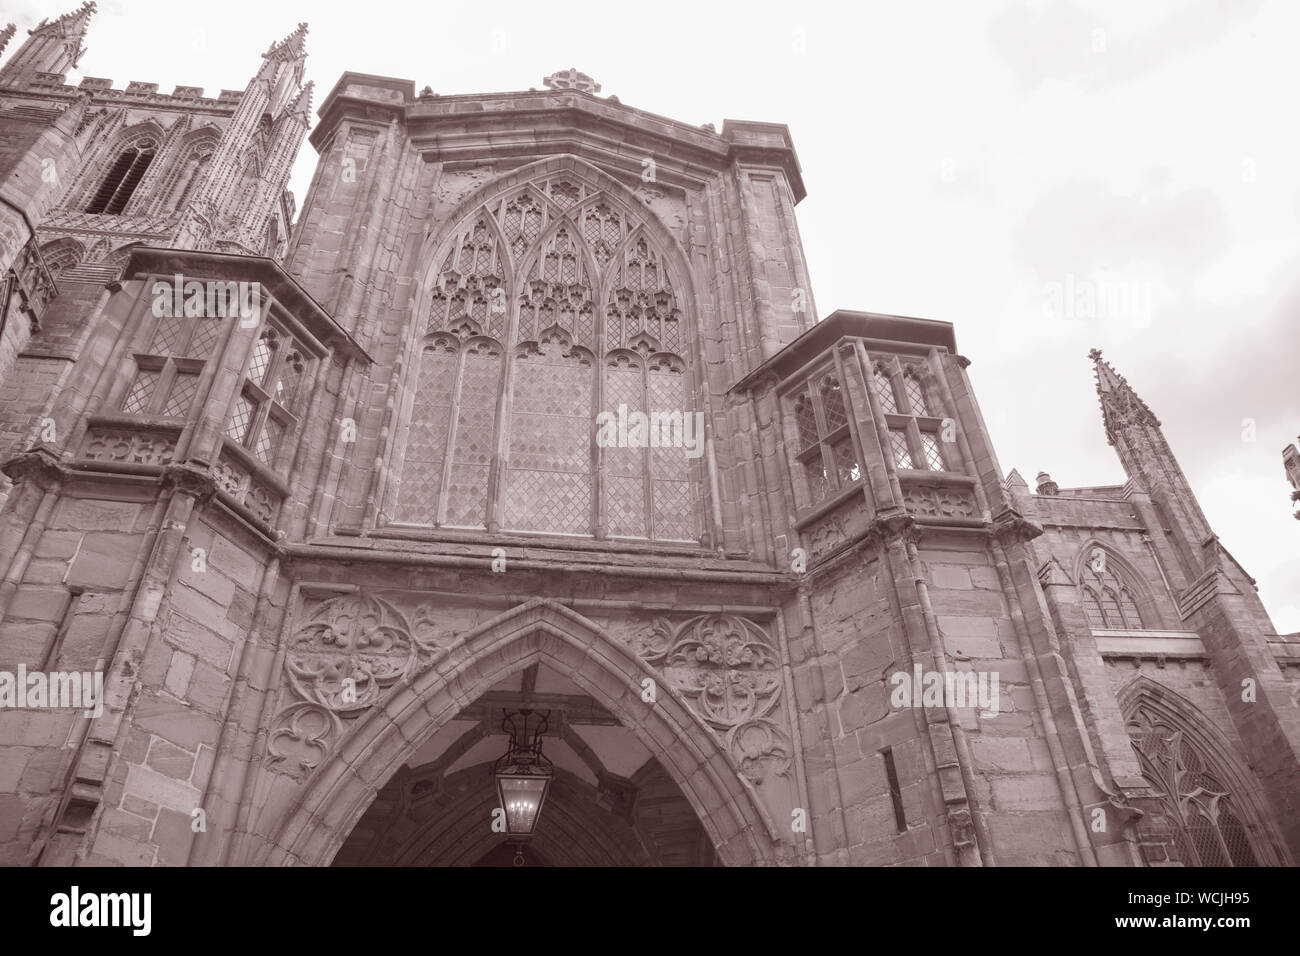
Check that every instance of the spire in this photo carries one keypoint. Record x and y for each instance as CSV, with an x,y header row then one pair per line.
x,y
302,102
292,47
52,46
6,35
1119,403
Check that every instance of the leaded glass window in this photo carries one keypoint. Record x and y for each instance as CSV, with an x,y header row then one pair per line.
x,y
828,456
526,271
167,374
266,408
1107,599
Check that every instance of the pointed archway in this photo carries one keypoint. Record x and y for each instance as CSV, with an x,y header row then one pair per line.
x,y
339,792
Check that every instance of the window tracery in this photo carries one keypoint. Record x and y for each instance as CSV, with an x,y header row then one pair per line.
x,y
1210,822
561,272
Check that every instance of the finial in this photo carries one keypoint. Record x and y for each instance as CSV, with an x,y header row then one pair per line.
x,y
1095,355
571,79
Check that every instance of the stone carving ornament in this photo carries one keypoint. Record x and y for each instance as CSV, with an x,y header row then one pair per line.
x,y
727,669
340,662
353,648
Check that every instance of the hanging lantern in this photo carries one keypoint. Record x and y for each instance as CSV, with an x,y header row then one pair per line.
x,y
523,774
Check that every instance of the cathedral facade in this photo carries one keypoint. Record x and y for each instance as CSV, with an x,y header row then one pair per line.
x,y
527,414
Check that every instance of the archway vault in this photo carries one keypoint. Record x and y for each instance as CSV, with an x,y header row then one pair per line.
x,y
382,740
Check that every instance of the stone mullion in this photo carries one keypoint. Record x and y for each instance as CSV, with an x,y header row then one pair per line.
x,y
227,382
453,426
647,453
794,467
855,397
884,483
963,445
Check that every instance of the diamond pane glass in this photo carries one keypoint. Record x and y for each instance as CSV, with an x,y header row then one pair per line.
x,y
624,467
268,441
818,486
898,445
426,439
167,337
240,416
204,337
847,469
885,389
833,404
548,485
180,399
676,507
137,399
933,456
475,440
262,352
915,394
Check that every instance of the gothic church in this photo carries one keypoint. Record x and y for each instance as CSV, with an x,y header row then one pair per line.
x,y
323,552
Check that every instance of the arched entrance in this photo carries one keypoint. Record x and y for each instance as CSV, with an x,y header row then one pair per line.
x,y
611,802
387,741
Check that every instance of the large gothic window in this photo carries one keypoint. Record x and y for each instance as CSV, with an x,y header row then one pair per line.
x,y
534,288
122,178
1209,820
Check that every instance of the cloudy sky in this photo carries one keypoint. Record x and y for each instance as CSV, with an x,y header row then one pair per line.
x,y
1048,176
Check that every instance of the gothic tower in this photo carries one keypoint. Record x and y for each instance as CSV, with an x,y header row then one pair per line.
x,y
99,171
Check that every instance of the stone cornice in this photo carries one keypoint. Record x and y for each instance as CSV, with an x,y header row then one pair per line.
x,y
468,128
192,264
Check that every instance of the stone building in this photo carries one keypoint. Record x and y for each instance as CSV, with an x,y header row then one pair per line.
x,y
529,411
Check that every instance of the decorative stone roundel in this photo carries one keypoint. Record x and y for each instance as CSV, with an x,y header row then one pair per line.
x,y
352,649
726,667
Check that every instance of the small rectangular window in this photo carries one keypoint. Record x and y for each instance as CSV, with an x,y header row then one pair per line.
x,y
895,791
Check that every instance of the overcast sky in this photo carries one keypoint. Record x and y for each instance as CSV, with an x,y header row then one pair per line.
x,y
1047,176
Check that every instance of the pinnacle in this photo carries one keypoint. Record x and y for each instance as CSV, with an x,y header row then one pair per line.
x,y
302,102
292,46
82,14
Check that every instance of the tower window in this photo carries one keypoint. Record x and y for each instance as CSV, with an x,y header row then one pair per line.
x,y
123,177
